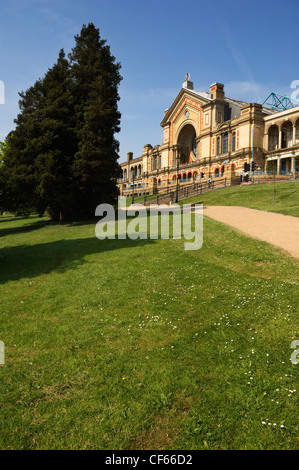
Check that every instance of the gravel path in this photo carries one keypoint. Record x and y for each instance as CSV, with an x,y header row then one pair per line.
x,y
278,229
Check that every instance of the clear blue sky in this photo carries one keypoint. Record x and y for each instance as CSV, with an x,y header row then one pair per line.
x,y
250,46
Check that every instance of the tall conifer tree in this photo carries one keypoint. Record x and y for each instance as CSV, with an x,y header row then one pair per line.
x,y
63,153
19,171
57,143
96,78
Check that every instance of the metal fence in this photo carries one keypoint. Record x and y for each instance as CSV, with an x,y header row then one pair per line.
x,y
184,192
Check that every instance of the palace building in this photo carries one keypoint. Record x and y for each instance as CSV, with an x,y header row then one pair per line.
x,y
208,135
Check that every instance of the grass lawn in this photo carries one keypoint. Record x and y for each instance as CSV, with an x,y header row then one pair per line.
x,y
139,199
255,196
138,344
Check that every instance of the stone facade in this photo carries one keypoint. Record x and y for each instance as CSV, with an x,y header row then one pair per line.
x,y
207,135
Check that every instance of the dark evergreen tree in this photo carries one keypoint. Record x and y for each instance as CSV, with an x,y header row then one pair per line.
x,y
4,148
57,143
95,78
63,153
18,170
38,167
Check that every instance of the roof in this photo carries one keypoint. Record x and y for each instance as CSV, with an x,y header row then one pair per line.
x,y
205,97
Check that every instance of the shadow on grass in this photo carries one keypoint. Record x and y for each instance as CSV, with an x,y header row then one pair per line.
x,y
287,195
33,225
29,261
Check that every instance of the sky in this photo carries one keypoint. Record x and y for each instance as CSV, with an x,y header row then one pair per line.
x,y
249,46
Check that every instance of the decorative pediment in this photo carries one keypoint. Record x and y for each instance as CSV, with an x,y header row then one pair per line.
x,y
185,98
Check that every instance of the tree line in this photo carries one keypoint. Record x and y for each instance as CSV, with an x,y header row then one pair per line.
x,y
62,155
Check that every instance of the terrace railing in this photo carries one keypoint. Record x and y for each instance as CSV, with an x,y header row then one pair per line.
x,y
184,192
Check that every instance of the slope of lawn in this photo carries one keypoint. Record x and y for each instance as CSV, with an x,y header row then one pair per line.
x,y
139,344
257,196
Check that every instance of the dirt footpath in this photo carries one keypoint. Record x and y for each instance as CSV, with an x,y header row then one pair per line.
x,y
278,229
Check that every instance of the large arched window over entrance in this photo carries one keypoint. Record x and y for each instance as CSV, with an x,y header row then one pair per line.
x,y
187,143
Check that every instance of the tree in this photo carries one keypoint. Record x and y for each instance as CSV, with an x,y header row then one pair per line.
x,y
19,165
95,78
4,147
63,154
57,143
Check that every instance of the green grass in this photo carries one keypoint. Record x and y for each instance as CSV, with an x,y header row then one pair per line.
x,y
255,196
138,344
139,199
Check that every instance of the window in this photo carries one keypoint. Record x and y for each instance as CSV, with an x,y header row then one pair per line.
x,y
225,143
194,146
234,142
218,146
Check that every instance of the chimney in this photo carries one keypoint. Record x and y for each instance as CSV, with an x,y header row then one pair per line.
x,y
129,156
217,91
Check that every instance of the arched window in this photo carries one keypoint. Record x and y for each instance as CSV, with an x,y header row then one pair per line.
x,y
225,143
287,135
273,137
194,146
297,132
218,145
234,142
216,172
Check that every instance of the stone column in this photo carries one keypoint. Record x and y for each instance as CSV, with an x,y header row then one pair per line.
x,y
266,142
174,154
293,165
279,139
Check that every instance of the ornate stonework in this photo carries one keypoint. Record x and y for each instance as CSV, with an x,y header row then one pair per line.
x,y
204,134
